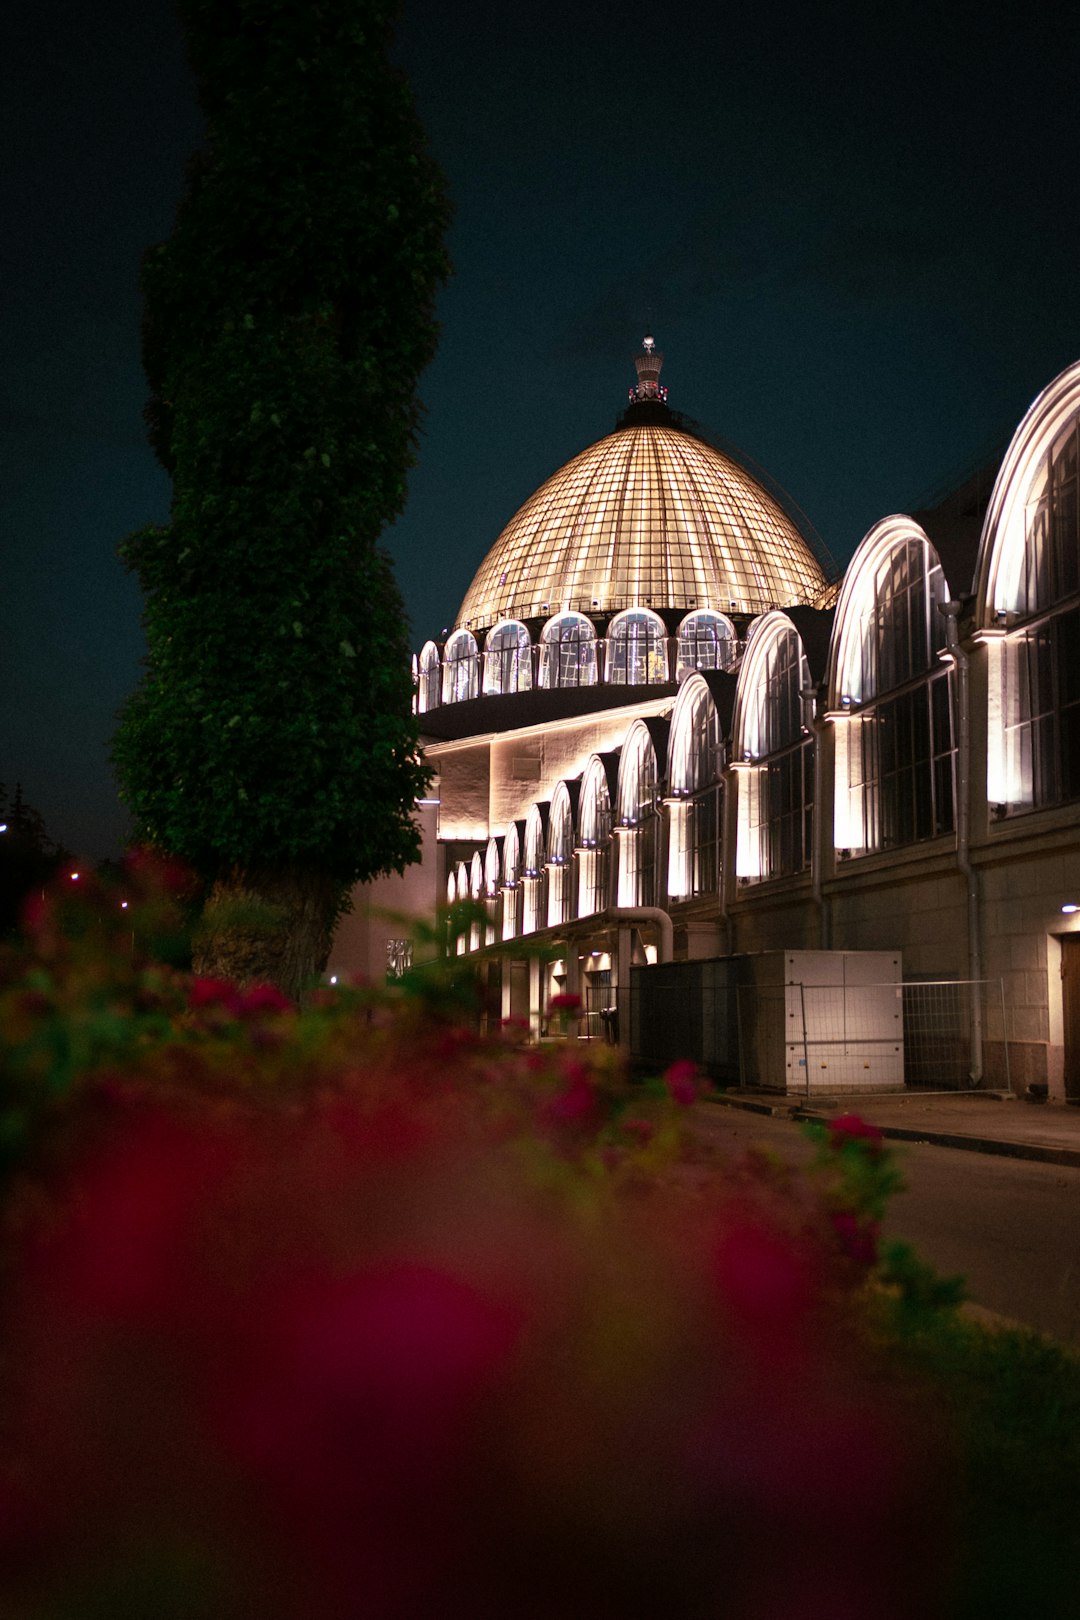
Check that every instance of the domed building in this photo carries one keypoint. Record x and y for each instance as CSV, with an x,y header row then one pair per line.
x,y
678,765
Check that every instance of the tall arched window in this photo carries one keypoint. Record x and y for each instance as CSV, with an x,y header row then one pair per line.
x,y
695,760
511,879
707,640
773,749
891,694
636,649
428,692
476,895
637,818
594,835
534,869
568,651
492,891
1028,608
508,658
560,854
461,668
458,891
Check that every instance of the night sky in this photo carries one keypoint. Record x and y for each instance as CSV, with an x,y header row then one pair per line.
x,y
855,236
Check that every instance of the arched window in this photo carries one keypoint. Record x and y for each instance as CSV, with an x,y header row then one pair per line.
x,y
511,879
598,787
637,817
476,895
492,891
707,640
461,889
461,667
891,694
560,854
534,869
568,651
508,658
695,760
1028,608
773,752
636,649
430,678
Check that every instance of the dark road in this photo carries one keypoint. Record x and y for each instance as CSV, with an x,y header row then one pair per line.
x,y
1009,1226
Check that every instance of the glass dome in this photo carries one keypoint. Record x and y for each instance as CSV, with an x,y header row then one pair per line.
x,y
648,517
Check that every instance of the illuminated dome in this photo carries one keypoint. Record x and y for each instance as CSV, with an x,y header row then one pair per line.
x,y
649,516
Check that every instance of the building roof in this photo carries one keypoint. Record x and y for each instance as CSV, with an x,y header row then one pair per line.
x,y
650,516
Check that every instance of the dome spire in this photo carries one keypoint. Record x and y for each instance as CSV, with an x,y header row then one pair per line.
x,y
647,364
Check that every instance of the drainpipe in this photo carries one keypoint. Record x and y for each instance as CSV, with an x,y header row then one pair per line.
x,y
952,611
729,832
821,824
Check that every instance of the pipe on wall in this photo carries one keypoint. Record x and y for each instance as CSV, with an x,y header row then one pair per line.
x,y
952,611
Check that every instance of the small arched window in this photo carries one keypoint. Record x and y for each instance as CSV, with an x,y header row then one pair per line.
x,y
891,694
594,861
430,678
1028,606
560,854
568,651
707,640
637,818
637,649
774,752
492,893
695,759
508,658
534,869
461,668
511,880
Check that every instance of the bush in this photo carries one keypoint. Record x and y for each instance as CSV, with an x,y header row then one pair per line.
x,y
350,1310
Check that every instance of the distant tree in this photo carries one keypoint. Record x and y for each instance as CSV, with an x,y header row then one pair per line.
x,y
29,857
271,741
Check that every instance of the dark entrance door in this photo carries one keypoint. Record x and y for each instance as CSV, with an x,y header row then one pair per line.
x,y
1070,1007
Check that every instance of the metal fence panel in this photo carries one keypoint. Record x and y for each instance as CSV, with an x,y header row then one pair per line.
x,y
906,1035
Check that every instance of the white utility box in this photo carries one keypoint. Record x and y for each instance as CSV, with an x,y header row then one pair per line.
x,y
822,1021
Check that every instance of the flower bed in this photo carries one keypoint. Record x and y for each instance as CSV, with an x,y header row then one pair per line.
x,y
348,1311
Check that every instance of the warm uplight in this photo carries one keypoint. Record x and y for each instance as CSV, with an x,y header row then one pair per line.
x,y
333,978
648,512
74,877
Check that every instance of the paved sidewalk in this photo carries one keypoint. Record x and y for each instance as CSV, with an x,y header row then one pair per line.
x,y
982,1122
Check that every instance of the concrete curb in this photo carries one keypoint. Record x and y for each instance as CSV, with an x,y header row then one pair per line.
x,y
1000,1146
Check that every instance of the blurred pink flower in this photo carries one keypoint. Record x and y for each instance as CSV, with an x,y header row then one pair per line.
x,y
214,993
851,1128
263,998
682,1081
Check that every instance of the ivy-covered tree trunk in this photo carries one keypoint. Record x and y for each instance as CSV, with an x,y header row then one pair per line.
x,y
271,742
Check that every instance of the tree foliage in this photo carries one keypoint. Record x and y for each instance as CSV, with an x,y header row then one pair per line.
x,y
287,320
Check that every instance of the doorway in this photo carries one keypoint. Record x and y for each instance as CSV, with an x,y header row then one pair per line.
x,y
1070,1013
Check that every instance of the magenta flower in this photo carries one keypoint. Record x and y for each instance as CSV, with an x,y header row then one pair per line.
x,y
682,1082
564,1003
851,1128
263,998
214,993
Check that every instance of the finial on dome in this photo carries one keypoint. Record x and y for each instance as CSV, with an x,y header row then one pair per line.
x,y
647,365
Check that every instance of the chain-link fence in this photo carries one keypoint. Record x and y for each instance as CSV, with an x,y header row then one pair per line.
x,y
906,1035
